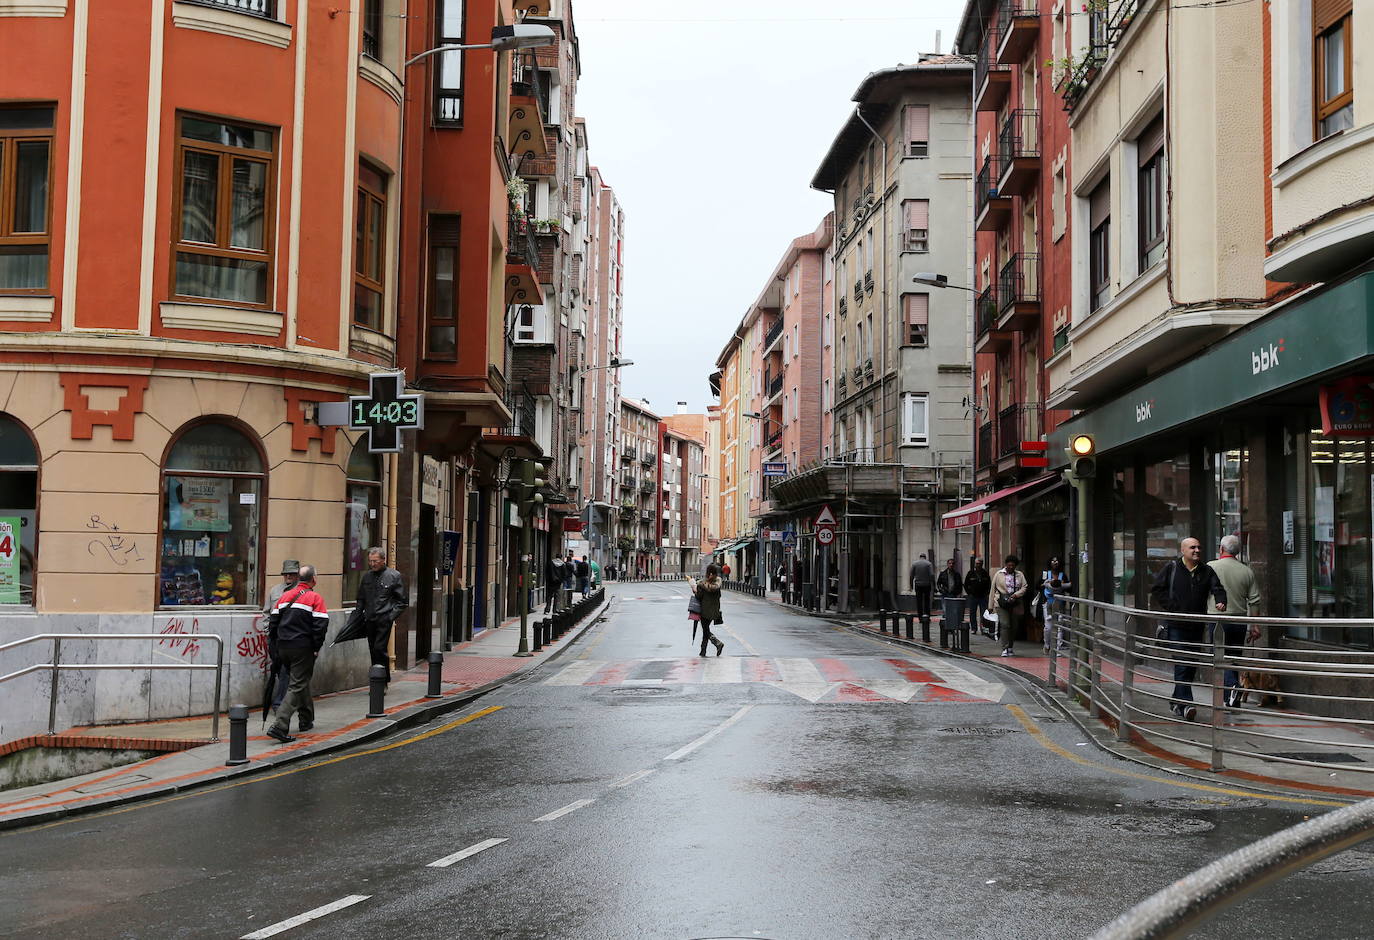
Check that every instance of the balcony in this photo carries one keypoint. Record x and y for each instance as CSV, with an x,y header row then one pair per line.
x,y
773,334
645,515
1020,22
991,207
629,454
527,109
648,457
522,256
1018,293
627,481
1018,145
987,337
774,387
858,292
868,281
1017,423
774,441
267,9
991,81
984,456
648,486
844,305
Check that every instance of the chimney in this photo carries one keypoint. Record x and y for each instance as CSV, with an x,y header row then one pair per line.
x,y
937,42
682,407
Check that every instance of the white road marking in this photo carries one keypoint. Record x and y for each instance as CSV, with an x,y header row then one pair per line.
x,y
575,673
689,748
468,852
571,807
962,680
721,670
898,689
802,678
639,775
305,918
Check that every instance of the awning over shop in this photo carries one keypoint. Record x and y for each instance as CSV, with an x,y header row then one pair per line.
x,y
973,513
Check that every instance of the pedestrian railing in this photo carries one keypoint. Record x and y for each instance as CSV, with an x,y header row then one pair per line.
x,y
1120,662
56,666
1175,910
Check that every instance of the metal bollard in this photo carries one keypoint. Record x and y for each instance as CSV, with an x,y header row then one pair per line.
x,y
925,629
911,626
944,634
882,621
238,735
963,636
376,691
436,674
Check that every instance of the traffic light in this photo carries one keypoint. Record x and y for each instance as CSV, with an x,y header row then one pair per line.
x,y
1082,456
524,490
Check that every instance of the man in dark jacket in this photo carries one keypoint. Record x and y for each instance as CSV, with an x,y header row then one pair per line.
x,y
1182,587
923,586
382,596
977,585
295,632
584,575
950,583
553,581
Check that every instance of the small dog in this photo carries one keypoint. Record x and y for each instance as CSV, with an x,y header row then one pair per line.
x,y
1265,685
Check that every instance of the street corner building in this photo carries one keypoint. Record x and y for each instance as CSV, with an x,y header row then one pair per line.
x,y
192,262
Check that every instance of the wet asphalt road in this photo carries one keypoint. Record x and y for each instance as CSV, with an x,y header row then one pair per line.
x,y
826,785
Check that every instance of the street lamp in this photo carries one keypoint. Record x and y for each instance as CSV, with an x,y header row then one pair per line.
x,y
930,279
503,38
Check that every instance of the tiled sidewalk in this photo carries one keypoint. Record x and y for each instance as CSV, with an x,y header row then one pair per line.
x,y
469,669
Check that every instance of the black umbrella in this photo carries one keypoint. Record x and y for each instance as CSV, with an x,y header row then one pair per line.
x,y
269,688
354,629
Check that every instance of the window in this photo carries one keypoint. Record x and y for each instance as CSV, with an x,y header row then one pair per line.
x,y
916,308
860,350
916,118
915,417
441,335
525,329
1150,207
825,395
361,525
448,79
1331,61
917,214
213,492
369,253
1059,191
223,212
25,169
796,340
1100,227
372,28
19,515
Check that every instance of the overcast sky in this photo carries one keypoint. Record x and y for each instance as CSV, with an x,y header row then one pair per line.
x,y
709,120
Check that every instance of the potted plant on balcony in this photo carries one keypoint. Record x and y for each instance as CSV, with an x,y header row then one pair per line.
x,y
546,226
516,190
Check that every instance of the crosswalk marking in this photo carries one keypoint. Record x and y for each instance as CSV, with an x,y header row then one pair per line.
x,y
825,680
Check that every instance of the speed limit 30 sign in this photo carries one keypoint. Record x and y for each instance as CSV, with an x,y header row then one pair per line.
x,y
825,535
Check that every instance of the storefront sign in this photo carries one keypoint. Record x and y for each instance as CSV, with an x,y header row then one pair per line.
x,y
449,557
1347,407
11,538
775,468
963,519
572,524
384,413
198,504
431,473
1288,532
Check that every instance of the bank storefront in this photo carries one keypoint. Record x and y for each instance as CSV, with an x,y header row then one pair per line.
x,y
1266,435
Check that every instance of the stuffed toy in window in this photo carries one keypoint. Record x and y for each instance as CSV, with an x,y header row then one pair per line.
x,y
224,590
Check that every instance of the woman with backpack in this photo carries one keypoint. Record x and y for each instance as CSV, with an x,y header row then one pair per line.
x,y
707,595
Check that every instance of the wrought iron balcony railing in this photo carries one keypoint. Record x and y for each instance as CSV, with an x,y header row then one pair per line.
x,y
1020,135
985,311
1019,282
773,333
1017,423
985,186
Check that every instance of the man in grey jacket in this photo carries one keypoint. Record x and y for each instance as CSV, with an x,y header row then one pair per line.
x,y
923,586
382,597
1239,581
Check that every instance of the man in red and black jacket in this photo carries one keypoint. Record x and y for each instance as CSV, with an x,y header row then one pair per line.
x,y
295,632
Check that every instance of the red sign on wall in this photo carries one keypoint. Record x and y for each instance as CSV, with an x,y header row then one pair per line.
x,y
1347,407
572,524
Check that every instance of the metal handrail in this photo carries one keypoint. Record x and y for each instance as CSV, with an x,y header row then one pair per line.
x,y
1173,911
1099,632
57,665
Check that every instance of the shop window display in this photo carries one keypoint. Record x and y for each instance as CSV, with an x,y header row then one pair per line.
x,y
212,494
18,512
360,516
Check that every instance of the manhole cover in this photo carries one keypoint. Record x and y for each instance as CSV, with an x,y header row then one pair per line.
x,y
1204,802
640,690
1320,757
1349,861
1160,825
979,732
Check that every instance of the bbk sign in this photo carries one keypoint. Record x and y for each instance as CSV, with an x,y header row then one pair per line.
x,y
1144,411
1265,358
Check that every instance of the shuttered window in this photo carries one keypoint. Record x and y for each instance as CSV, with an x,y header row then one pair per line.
x,y
1150,207
1331,66
441,333
1100,227
916,309
916,117
917,215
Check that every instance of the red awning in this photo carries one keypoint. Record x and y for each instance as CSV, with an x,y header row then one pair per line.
x,y
974,512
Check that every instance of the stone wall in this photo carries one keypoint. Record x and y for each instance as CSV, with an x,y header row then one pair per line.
x,y
125,695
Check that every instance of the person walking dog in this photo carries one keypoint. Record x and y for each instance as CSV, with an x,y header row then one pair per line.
x,y
707,593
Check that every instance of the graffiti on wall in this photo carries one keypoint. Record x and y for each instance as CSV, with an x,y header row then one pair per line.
x,y
181,636
119,547
252,646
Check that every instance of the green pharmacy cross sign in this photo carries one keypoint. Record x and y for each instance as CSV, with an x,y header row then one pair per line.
x,y
385,412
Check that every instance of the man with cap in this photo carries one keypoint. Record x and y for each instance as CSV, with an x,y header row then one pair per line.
x,y
291,575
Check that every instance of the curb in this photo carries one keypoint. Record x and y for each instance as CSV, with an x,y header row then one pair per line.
x,y
415,715
1052,698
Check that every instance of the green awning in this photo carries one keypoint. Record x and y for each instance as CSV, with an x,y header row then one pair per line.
x,y
1305,340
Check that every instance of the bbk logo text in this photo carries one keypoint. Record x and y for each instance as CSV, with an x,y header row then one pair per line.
x,y
1142,410
1265,358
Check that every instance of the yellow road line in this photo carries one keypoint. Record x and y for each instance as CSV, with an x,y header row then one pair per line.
x,y
1044,741
282,773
